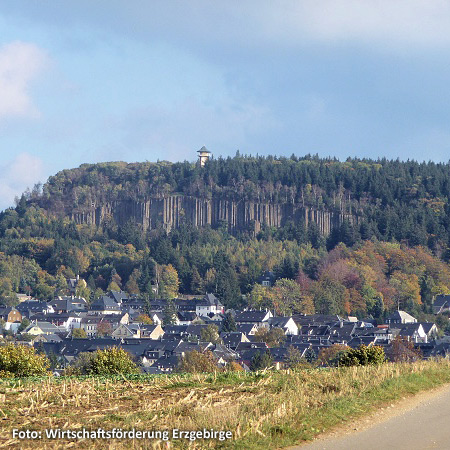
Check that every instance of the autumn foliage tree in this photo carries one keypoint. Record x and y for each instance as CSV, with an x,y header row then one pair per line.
x,y
169,284
273,337
104,328
197,362
402,350
330,356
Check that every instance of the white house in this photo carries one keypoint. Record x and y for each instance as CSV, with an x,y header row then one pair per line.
x,y
399,317
209,304
258,318
287,324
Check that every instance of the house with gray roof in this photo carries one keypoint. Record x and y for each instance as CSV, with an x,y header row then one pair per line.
x,y
287,324
400,317
124,330
249,329
67,304
267,279
39,327
31,307
233,338
413,332
105,305
209,304
152,332
258,318
441,304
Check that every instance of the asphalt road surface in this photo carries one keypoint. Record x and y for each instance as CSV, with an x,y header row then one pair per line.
x,y
422,422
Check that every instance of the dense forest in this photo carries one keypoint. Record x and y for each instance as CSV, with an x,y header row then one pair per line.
x,y
389,200
390,250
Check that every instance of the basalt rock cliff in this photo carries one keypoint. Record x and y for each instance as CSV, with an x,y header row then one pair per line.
x,y
173,210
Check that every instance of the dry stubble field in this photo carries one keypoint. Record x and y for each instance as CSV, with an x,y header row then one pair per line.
x,y
263,410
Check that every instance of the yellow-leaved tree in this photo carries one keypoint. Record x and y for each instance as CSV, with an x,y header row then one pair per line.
x,y
169,283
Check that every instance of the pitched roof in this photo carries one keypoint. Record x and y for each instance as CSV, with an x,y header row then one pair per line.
x,y
246,328
175,329
428,326
167,362
33,306
210,300
242,346
105,303
187,315
361,340
5,310
316,319
250,316
233,338
46,327
118,296
195,329
441,300
408,329
280,322
402,316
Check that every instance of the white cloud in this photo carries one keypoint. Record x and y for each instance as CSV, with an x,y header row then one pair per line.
x,y
20,64
415,22
252,23
16,175
259,23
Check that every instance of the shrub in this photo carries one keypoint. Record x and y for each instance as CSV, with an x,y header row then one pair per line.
x,y
197,362
110,361
22,361
362,356
233,366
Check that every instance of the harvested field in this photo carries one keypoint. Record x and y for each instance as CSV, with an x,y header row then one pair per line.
x,y
263,410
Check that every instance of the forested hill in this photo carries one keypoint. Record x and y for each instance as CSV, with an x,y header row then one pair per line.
x,y
358,237
390,200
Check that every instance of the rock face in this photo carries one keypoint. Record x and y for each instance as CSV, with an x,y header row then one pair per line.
x,y
172,211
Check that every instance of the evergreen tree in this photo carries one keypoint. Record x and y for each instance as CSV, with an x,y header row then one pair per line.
x,y
261,361
197,284
169,313
310,355
229,323
226,281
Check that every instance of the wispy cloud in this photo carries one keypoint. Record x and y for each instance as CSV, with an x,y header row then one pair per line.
x,y
177,133
413,22
17,175
255,22
20,64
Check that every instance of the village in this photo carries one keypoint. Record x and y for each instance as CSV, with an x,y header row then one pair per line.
x,y
158,333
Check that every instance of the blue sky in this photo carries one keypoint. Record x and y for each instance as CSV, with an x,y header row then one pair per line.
x,y
89,81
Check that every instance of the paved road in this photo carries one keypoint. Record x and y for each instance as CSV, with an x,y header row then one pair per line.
x,y
424,423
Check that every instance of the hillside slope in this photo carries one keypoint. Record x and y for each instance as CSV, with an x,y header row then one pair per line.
x,y
386,199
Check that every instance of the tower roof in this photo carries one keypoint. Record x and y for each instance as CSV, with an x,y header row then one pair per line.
x,y
203,150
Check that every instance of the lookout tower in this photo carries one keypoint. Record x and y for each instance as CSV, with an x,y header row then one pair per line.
x,y
203,155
